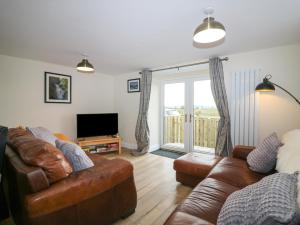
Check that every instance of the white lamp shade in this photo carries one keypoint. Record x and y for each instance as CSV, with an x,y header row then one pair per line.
x,y
209,35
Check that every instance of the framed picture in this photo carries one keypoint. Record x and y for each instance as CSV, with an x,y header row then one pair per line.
x,y
133,85
58,88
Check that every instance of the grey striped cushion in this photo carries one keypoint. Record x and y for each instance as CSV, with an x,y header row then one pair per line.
x,y
271,201
263,158
75,155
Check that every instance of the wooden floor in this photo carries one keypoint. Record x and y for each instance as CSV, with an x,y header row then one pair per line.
x,y
157,190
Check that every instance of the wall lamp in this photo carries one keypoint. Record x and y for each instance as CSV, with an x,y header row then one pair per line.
x,y
268,86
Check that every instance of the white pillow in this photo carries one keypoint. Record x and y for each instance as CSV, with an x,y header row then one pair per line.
x,y
288,157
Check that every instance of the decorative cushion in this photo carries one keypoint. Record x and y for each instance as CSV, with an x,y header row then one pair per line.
x,y
17,132
263,158
76,156
43,133
36,152
62,137
288,158
270,201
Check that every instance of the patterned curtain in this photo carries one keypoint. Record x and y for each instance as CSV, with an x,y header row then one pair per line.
x,y
142,128
224,144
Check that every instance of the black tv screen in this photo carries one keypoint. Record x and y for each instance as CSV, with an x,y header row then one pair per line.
x,y
91,125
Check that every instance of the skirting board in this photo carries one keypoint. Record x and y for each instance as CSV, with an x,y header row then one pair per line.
x,y
134,146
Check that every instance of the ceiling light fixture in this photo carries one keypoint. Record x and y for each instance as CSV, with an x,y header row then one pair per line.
x,y
210,30
85,66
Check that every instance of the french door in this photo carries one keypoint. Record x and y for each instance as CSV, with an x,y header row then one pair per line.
x,y
189,117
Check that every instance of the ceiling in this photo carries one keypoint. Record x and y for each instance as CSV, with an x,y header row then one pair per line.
x,y
125,36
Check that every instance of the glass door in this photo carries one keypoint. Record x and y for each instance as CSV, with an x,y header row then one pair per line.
x,y
206,117
174,116
189,116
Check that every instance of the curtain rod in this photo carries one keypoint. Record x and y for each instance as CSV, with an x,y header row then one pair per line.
x,y
187,65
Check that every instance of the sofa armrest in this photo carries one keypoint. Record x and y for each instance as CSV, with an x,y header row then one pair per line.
x,y
242,151
80,186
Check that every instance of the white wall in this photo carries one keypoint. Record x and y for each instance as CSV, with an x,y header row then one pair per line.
x,y
127,105
278,112
22,95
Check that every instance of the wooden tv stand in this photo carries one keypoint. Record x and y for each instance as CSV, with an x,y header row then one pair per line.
x,y
98,143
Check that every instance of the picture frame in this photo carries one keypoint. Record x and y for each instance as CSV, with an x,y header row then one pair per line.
x,y
58,88
133,85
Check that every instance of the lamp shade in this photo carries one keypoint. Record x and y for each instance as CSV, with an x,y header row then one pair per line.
x,y
209,31
85,66
265,86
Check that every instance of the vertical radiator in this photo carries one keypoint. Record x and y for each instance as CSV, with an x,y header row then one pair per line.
x,y
244,107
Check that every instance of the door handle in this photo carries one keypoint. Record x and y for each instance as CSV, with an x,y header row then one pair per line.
x,y
185,118
191,116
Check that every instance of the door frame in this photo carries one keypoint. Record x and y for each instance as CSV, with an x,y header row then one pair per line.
x,y
188,106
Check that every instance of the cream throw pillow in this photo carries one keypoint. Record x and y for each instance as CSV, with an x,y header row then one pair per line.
x,y
288,158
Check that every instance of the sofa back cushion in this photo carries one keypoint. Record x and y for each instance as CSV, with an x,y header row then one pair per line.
x,y
43,133
263,158
36,152
18,132
288,158
76,156
269,201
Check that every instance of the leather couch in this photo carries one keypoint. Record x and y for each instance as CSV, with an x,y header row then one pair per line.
x,y
99,195
203,205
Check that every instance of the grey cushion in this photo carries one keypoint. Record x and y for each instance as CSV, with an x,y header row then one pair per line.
x,y
273,200
75,155
43,133
263,158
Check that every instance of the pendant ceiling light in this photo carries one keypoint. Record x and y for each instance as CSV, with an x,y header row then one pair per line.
x,y
210,30
85,65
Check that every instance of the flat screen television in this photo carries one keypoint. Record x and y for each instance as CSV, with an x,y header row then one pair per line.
x,y
91,125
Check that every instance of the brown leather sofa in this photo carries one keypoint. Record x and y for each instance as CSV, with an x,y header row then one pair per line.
x,y
99,195
203,205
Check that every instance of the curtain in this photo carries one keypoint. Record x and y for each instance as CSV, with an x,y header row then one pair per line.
x,y
142,128
224,144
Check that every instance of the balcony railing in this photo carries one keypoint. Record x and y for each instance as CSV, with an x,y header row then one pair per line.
x,y
205,130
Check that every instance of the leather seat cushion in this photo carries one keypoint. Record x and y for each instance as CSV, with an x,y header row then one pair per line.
x,y
206,200
80,186
235,172
36,152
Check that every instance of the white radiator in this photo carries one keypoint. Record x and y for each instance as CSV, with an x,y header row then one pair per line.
x,y
244,107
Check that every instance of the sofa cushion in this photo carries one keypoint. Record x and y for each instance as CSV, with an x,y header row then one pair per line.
x,y
207,199
36,152
263,158
43,133
17,132
76,156
234,172
270,201
288,158
81,186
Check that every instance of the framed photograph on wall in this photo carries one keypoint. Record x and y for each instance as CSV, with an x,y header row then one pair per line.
x,y
133,85
58,88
